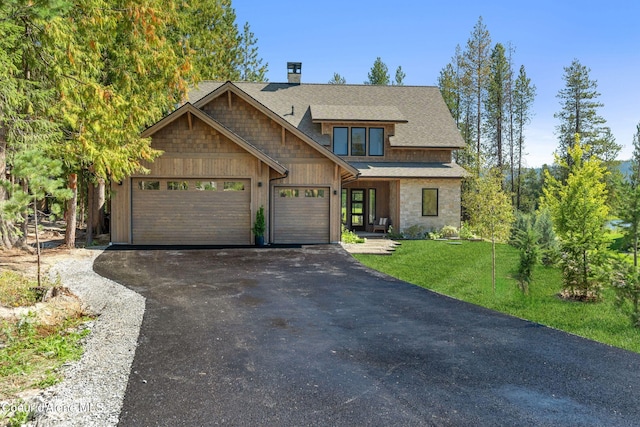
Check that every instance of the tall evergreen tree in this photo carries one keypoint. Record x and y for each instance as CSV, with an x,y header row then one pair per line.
x,y
455,88
523,96
379,74
629,210
477,67
496,111
579,116
27,98
251,67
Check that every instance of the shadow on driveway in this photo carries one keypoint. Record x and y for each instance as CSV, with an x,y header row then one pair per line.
x,y
309,336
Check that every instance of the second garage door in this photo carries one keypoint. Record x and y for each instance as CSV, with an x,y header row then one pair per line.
x,y
301,215
191,211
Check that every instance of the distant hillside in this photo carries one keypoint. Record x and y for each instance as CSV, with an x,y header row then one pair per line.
x,y
625,167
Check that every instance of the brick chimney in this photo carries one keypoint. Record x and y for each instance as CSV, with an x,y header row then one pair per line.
x,y
294,72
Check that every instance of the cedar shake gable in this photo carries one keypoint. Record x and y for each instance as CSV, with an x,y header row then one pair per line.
x,y
220,89
190,111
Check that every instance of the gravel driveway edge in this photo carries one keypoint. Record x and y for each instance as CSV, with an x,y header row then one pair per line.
x,y
93,389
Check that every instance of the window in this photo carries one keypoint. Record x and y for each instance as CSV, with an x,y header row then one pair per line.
x,y
149,185
340,141
429,202
343,205
233,186
177,185
314,193
376,141
372,205
289,192
358,142
206,186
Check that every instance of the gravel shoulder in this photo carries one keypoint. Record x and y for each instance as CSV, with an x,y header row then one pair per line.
x,y
93,389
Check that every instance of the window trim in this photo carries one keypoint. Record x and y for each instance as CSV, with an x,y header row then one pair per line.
x,y
333,139
349,141
437,192
369,141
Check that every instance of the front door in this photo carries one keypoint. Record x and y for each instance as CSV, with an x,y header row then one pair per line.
x,y
357,209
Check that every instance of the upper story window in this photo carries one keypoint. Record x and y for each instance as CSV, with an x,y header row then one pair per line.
x,y
358,141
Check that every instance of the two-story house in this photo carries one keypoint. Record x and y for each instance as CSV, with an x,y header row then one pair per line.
x,y
315,156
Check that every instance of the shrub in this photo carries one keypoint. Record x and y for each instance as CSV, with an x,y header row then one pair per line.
x,y
527,243
393,234
449,231
626,283
466,233
349,236
415,232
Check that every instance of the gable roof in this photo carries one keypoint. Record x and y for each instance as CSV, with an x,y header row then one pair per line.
x,y
188,108
420,113
222,88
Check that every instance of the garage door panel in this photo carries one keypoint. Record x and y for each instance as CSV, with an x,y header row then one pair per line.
x,y
191,216
301,219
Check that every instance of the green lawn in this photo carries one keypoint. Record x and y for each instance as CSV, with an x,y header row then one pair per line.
x,y
463,271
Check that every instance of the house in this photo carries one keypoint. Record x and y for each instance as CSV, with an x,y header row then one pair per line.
x,y
313,155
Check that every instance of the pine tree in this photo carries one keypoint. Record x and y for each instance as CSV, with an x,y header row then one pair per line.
x,y
579,212
496,111
523,96
379,74
252,69
629,211
27,98
337,80
579,116
477,70
400,75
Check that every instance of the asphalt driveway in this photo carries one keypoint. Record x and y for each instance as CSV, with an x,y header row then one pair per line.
x,y
309,336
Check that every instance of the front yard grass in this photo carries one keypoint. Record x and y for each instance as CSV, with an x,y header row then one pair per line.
x,y
463,271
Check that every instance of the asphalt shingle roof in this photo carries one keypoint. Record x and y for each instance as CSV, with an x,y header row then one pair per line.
x,y
428,121
409,170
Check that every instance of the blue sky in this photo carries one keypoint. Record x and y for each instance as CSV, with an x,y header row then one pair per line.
x,y
346,37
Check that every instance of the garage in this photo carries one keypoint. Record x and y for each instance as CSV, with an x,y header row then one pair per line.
x,y
301,215
212,211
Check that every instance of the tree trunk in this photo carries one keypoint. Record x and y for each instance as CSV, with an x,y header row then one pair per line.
x,y
493,264
70,214
90,211
35,221
101,198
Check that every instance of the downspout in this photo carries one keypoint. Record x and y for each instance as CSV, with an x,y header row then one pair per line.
x,y
271,217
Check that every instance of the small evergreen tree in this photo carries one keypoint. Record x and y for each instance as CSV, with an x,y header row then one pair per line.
x,y
579,212
379,74
337,80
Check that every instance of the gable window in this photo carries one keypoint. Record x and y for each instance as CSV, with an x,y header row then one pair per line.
x,y
376,141
429,202
341,141
358,141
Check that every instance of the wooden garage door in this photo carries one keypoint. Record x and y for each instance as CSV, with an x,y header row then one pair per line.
x,y
301,215
191,211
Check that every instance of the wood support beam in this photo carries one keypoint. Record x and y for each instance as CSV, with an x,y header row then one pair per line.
x,y
283,134
190,121
229,98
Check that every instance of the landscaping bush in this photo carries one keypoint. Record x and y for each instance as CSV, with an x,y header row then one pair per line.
x,y
415,232
349,236
449,231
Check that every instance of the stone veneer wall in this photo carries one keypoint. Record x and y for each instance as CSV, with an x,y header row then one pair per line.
x,y
411,203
